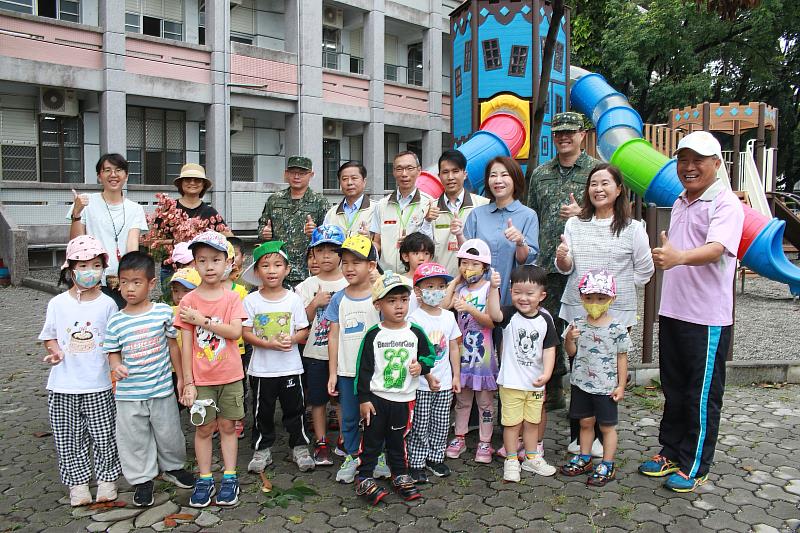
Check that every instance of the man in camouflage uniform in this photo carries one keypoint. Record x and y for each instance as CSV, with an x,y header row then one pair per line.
x,y
292,214
553,192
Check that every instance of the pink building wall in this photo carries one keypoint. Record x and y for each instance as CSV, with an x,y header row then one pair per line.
x,y
278,77
37,41
341,89
164,60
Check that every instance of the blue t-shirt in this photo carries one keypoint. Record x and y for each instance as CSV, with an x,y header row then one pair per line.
x,y
354,317
142,341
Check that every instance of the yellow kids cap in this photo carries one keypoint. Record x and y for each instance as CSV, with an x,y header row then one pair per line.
x,y
388,281
188,277
360,246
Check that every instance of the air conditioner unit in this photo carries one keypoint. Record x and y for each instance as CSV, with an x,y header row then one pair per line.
x,y
55,101
332,17
237,121
331,129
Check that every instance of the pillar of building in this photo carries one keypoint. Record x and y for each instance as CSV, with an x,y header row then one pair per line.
x,y
374,156
432,76
113,99
218,111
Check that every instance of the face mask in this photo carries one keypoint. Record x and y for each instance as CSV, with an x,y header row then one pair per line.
x,y
227,272
596,310
473,276
433,297
87,278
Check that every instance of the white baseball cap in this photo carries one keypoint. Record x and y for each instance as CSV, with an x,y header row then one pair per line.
x,y
701,142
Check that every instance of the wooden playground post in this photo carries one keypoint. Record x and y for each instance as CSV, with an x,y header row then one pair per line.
x,y
651,219
773,142
706,116
760,136
737,144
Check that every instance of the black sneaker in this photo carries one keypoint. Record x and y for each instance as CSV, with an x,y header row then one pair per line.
x,y
180,478
438,469
143,497
370,491
404,486
419,475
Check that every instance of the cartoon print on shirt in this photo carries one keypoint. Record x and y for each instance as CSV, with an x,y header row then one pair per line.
x,y
322,331
526,353
269,325
354,323
395,372
211,345
439,342
474,350
82,337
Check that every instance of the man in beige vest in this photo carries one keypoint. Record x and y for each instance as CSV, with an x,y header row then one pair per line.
x,y
454,206
354,213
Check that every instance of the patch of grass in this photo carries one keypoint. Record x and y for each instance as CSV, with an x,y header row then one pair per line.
x,y
558,499
624,512
647,398
624,490
453,514
464,480
254,521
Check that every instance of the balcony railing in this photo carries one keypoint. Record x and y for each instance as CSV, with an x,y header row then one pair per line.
x,y
402,74
343,61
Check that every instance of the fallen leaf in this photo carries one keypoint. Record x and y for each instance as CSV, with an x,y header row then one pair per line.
x,y
40,434
181,516
296,519
266,485
170,522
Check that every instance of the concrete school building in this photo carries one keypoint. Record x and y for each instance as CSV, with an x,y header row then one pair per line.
x,y
235,85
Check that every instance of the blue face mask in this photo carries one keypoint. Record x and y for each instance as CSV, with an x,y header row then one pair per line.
x,y
433,297
87,278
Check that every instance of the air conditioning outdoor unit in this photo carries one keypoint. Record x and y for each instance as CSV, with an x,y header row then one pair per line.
x,y
55,101
331,129
332,17
237,121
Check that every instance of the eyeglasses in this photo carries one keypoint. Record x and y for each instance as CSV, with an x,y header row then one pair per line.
x,y
410,168
109,171
301,172
567,133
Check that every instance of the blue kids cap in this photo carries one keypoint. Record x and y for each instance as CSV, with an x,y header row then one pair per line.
x,y
327,234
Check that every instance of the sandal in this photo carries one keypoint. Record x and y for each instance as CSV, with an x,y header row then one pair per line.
x,y
602,474
576,467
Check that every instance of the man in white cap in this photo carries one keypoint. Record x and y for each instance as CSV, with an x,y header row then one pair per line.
x,y
699,263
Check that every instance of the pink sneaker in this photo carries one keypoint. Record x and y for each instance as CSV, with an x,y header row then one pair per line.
x,y
484,453
520,451
456,447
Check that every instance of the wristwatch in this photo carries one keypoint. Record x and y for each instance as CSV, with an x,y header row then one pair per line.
x,y
523,243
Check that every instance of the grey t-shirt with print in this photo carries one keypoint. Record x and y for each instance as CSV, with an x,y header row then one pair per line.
x,y
595,367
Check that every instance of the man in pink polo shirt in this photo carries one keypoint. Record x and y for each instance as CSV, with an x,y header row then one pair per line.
x,y
694,325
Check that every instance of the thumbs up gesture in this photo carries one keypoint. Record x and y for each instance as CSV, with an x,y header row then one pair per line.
x,y
79,202
494,279
267,231
433,212
308,229
563,249
570,209
666,256
513,234
363,229
456,226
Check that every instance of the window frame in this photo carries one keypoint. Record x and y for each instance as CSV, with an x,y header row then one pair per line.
x,y
517,64
167,166
61,146
457,81
467,56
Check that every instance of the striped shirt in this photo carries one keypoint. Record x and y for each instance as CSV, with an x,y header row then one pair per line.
x,y
142,341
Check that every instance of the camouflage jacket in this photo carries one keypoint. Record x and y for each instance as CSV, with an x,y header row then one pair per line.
x,y
288,220
547,192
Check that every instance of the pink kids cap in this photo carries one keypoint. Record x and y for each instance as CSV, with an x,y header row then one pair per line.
x,y
181,254
431,270
484,254
83,248
598,281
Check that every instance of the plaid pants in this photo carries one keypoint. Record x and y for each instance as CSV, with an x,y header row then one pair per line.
x,y
428,437
78,420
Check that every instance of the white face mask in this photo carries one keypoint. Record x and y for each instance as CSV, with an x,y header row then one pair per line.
x,y
87,278
433,297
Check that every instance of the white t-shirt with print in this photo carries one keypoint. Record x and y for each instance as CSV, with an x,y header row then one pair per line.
x,y
440,330
79,328
317,344
268,318
524,340
355,317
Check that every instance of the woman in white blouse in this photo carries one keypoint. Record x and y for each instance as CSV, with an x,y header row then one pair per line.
x,y
603,236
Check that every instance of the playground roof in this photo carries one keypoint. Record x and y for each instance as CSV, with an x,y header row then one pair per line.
x,y
722,117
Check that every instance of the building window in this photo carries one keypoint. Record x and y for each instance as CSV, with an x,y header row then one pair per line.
x,y
491,54
156,145
61,149
558,57
156,18
243,151
559,103
331,154
391,147
519,60
330,48
415,64
390,72
243,22
18,146
458,81
243,167
55,9
202,142
468,56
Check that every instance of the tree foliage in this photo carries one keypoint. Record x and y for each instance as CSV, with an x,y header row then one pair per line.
x,y
665,54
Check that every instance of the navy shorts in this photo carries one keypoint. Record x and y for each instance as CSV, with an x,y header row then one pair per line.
x,y
315,379
583,404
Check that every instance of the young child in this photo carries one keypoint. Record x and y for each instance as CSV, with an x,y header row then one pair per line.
x,y
182,282
351,313
276,321
182,256
142,351
316,293
428,438
600,347
238,261
416,248
526,364
475,297
391,355
311,263
211,316
80,403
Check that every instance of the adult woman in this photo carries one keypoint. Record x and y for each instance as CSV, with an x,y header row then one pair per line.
x,y
509,228
110,218
603,236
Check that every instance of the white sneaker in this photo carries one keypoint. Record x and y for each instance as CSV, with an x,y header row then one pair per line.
x,y
347,472
382,469
538,465
511,470
80,495
574,448
597,448
261,459
106,491
303,459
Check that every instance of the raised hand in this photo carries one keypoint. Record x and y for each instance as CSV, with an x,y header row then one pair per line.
x,y
433,212
363,229
571,209
79,203
266,233
494,279
456,226
666,256
573,332
562,251
308,229
513,234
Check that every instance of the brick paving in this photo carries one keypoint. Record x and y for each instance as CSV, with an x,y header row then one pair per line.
x,y
754,484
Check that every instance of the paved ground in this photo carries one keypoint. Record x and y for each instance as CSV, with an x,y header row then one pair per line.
x,y
755,483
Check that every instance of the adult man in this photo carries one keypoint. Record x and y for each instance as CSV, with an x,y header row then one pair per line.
x,y
292,214
454,206
354,213
694,323
552,193
404,211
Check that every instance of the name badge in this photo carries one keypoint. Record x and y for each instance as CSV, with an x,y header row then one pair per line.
x,y
452,246
388,222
